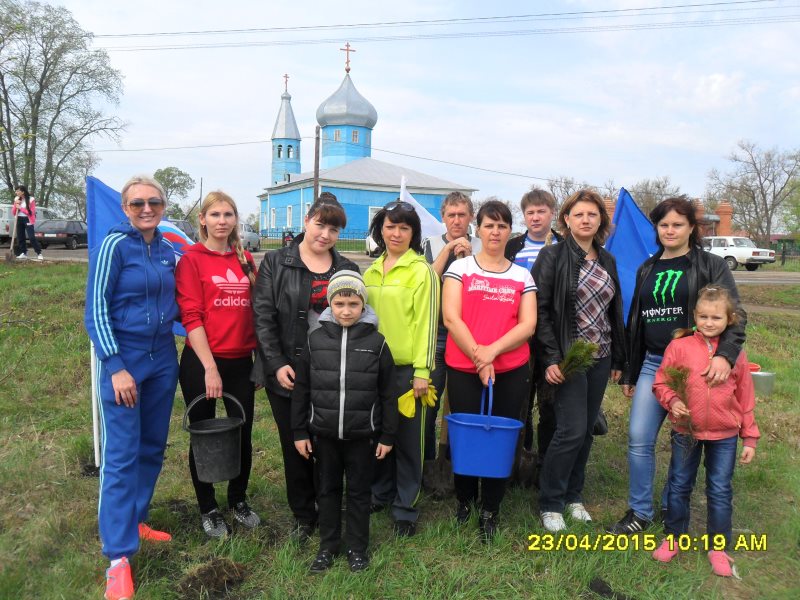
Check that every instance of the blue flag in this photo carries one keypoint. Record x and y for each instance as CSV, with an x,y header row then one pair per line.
x,y
104,210
632,242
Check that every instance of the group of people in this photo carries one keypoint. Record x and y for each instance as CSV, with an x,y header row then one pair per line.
x,y
354,366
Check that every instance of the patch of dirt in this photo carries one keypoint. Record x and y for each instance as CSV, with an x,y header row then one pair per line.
x,y
89,469
213,580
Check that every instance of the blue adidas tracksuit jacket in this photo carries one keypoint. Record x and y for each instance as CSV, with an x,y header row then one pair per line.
x,y
130,309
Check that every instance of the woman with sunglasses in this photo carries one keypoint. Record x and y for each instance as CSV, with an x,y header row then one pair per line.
x,y
130,309
579,298
663,301
214,280
403,290
288,298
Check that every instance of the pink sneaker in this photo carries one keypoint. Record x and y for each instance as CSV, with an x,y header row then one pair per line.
x,y
720,563
666,551
119,583
148,533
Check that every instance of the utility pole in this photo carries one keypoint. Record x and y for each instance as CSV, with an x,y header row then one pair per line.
x,y
316,164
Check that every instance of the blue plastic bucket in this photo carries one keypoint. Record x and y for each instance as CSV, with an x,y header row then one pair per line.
x,y
483,445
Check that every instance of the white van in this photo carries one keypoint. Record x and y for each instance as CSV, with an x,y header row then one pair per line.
x,y
7,220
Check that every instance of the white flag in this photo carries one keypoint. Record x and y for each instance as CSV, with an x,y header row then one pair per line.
x,y
430,225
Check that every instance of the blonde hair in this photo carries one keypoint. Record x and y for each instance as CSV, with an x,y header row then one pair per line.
x,y
234,241
712,293
142,180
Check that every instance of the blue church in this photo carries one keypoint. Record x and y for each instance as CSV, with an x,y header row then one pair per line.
x,y
362,184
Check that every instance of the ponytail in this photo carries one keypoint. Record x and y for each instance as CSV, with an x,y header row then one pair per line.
x,y
248,268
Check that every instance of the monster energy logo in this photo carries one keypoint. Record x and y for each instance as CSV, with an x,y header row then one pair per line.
x,y
666,282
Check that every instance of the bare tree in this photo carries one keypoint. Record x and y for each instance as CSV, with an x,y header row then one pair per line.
x,y
763,186
649,192
51,82
562,187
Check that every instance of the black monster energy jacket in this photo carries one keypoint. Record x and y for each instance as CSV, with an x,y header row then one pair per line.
x,y
705,269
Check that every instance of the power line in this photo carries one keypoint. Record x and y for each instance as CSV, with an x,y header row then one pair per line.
x,y
706,23
729,6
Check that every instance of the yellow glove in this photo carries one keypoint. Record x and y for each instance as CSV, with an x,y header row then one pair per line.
x,y
407,405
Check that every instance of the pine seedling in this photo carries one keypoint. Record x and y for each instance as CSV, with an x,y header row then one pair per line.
x,y
578,358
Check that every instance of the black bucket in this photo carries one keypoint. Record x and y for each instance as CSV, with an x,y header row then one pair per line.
x,y
216,443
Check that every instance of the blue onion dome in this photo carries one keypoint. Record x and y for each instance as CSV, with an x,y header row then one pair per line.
x,y
347,107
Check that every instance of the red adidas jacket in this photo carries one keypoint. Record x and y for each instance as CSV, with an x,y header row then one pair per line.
x,y
213,292
717,412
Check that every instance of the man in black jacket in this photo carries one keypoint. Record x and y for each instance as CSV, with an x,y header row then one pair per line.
x,y
344,400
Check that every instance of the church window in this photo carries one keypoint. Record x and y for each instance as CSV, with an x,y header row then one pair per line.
x,y
337,135
289,152
280,151
273,217
289,216
355,136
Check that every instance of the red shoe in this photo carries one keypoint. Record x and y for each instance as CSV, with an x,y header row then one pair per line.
x,y
666,551
720,563
119,584
146,533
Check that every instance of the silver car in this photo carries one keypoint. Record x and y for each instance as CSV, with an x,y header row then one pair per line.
x,y
250,239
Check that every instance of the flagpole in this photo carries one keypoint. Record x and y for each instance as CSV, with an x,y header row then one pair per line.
x,y
95,415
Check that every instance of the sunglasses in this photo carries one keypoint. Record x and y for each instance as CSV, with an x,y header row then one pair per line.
x,y
137,204
400,205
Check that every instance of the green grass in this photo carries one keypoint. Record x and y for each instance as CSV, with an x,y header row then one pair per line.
x,y
48,536
786,296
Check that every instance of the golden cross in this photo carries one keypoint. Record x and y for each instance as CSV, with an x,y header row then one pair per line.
x,y
347,50
286,82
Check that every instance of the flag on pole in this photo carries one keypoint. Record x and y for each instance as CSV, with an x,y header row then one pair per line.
x,y
632,242
431,226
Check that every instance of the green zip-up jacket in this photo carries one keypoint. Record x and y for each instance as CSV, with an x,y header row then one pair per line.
x,y
406,301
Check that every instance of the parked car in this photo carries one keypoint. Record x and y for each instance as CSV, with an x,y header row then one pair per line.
x,y
6,220
250,239
62,231
187,228
738,251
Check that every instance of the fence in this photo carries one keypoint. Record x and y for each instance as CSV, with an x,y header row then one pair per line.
x,y
349,240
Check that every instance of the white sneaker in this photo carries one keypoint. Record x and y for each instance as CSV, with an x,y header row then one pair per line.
x,y
553,521
22,256
578,512
39,257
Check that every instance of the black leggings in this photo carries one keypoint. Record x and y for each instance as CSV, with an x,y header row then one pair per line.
x,y
464,393
235,374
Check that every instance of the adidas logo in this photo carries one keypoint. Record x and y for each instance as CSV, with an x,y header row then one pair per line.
x,y
230,283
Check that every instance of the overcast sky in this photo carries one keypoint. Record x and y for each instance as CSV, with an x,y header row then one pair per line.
x,y
588,101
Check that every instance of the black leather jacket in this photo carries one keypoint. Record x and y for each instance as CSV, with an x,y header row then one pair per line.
x,y
517,243
556,275
280,303
705,268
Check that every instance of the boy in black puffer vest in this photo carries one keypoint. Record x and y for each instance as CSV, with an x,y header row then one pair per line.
x,y
344,409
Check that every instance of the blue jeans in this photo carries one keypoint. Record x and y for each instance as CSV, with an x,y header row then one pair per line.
x,y
647,416
720,459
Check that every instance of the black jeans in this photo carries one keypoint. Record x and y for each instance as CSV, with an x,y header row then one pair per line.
x,y
235,374
301,487
464,392
23,227
353,459
576,404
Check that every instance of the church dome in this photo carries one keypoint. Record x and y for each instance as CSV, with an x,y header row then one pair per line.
x,y
347,107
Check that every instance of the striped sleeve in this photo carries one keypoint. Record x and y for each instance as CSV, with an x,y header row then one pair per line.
x,y
529,283
104,270
456,269
426,317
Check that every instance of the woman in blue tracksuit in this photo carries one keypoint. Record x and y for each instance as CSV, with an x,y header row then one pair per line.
x,y
130,309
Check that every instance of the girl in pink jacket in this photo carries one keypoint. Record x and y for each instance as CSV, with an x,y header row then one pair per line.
x,y
708,419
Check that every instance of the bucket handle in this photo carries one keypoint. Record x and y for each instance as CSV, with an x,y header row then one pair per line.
x,y
202,397
490,388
